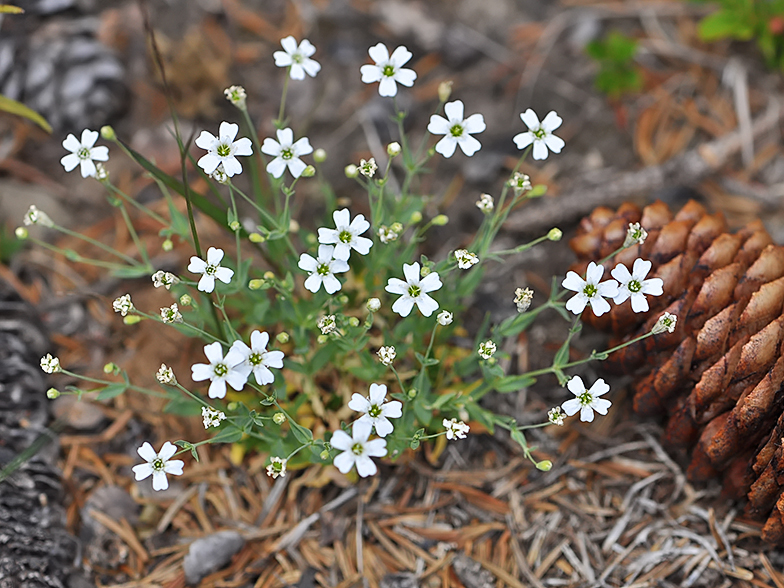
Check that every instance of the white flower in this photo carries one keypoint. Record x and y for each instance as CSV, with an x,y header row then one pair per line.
x,y
212,417
487,349
101,173
635,235
219,175
297,58
83,153
222,150
456,130
523,298
165,376
393,149
377,412
286,152
326,324
232,370
236,95
171,314
485,203
555,416
123,304
414,291
586,401
666,322
165,279
540,134
368,167
51,365
346,234
520,183
276,468
388,69
158,465
357,449
634,285
445,318
322,270
386,355
33,216
590,290
465,259
387,234
210,269
455,429
373,304
256,358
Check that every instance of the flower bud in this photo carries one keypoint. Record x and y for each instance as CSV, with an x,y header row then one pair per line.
x,y
321,339
293,226
132,319
555,234
108,133
353,321
440,220
545,465
256,238
256,284
342,299
308,172
111,368
186,300
396,228
235,225
373,304
324,455
21,233
416,217
52,393
268,275
167,245
393,149
283,337
232,406
412,393
351,171
319,155
445,90
278,418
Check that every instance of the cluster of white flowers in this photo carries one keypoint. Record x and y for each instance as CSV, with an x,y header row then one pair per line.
x,y
123,304
235,368
666,322
33,216
165,375
326,324
389,233
485,203
628,285
211,417
171,314
368,167
386,355
51,365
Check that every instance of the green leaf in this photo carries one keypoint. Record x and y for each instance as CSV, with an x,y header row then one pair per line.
x,y
227,436
516,324
423,414
9,9
484,416
562,356
131,272
442,400
183,406
724,24
112,391
302,434
19,109
513,383
517,435
425,362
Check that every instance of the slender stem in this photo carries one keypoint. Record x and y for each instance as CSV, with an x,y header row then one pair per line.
x,y
73,256
139,246
96,243
283,97
146,210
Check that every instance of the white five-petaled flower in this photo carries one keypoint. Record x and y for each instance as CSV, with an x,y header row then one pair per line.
x,y
555,416
368,167
123,304
51,365
277,467
83,153
158,465
211,417
231,369
456,130
346,235
455,429
386,355
487,349
444,318
377,412
257,358
635,235
634,285
465,259
414,291
388,69
589,290
223,149
540,134
210,269
286,152
357,449
297,58
586,401
666,322
322,269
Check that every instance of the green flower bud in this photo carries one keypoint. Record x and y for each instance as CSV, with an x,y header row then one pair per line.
x,y
351,171
396,228
232,406
21,233
108,133
256,284
52,393
545,465
293,226
308,172
353,321
412,393
132,319
440,220
342,299
186,300
393,149
555,234
311,239
416,217
256,238
235,225
278,418
322,339
167,245
319,155
268,275
282,338
324,455
445,90
111,368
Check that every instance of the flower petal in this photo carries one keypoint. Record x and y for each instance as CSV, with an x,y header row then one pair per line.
x,y
599,305
426,304
174,467
621,273
214,352
147,452
540,150
411,272
313,283
206,284
387,87
430,283
206,140
474,124
378,392
344,462
270,147
576,385
341,440
454,111
228,131
400,56
571,407
89,138
359,403
232,166
551,122
201,372
554,144
224,274
70,161
384,427
379,53
403,305
601,405
393,409
405,77
217,389
376,448
365,466
167,451
396,286
586,414
276,167
639,302
88,168
285,137
530,119
574,282
289,44
71,143
523,140
142,471
243,146
446,146
214,256
576,304
159,481
599,388
470,145
371,74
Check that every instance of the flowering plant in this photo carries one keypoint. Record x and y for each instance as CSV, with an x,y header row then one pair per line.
x,y
368,361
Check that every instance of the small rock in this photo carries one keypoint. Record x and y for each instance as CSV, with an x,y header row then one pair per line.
x,y
210,553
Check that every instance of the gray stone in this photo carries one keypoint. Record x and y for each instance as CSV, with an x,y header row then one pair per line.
x,y
210,553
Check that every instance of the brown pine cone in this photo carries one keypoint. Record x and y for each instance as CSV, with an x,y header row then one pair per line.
x,y
719,377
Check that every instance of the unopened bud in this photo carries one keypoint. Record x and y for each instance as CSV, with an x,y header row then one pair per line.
x,y
308,172
52,393
235,225
412,393
351,171
108,133
393,149
21,233
319,155
132,319
545,465
353,321
186,300
283,337
256,284
167,245
322,339
555,234
416,217
440,220
324,455
278,418
111,368
293,226
256,238
445,90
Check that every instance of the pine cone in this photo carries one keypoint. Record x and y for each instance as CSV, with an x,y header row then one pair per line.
x,y
718,378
